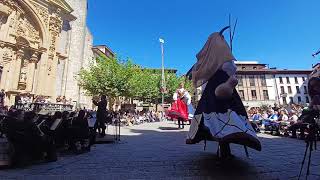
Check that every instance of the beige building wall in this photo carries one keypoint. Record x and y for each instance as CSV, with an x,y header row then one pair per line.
x,y
85,100
77,50
256,90
29,35
39,48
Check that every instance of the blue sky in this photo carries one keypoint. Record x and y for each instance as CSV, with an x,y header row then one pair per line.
x,y
281,33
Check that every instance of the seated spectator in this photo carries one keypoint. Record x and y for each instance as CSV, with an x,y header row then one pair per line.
x,y
299,125
281,123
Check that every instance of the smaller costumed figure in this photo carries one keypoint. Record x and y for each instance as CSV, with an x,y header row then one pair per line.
x,y
181,107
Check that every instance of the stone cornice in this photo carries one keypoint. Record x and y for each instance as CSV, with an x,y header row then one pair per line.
x,y
40,50
62,4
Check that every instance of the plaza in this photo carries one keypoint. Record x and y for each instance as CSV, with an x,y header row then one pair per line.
x,y
158,151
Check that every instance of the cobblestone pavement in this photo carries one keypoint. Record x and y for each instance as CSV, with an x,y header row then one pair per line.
x,y
158,151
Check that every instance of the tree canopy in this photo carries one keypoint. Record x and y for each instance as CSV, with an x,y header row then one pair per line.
x,y
115,78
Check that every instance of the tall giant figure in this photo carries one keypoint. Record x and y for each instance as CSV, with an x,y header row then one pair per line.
x,y
220,115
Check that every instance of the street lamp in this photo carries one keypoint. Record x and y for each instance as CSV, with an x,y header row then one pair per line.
x,y
163,84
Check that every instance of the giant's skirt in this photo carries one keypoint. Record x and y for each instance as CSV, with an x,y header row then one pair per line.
x,y
222,120
179,109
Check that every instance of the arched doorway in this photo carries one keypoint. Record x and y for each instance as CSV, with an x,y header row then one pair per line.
x,y
21,42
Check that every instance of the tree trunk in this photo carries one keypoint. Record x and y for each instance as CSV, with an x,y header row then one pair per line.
x,y
111,103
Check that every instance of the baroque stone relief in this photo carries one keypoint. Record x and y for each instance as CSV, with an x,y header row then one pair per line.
x,y
12,4
55,25
27,29
43,12
7,56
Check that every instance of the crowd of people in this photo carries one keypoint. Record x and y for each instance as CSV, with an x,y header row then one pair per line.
x,y
279,120
130,118
27,98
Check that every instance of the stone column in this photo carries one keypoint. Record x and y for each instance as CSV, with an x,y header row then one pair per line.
x,y
31,72
6,63
15,71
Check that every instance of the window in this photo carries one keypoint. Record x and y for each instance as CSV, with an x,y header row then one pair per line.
x,y
296,80
280,79
282,90
263,80
298,89
307,99
299,99
288,80
243,68
265,95
284,99
289,90
291,99
254,67
251,80
241,94
303,79
305,89
254,94
240,80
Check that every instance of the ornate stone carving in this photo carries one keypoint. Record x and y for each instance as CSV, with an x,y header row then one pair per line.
x,y
43,12
12,4
55,24
34,58
27,30
20,54
8,54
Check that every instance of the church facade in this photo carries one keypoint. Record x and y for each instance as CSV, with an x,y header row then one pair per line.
x,y
43,45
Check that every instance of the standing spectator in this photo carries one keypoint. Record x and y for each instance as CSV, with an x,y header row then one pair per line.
x,y
2,96
276,107
64,100
69,101
17,100
101,115
58,99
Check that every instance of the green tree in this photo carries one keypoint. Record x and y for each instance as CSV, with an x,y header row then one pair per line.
x,y
116,78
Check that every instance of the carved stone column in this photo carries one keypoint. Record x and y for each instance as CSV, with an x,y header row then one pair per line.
x,y
31,72
15,72
6,63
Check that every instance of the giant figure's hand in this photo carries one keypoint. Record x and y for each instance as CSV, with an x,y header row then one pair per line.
x,y
225,89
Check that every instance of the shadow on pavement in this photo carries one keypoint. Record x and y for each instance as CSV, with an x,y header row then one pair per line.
x,y
168,128
158,151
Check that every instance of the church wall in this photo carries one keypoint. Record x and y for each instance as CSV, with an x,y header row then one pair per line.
x,y
77,44
43,46
86,101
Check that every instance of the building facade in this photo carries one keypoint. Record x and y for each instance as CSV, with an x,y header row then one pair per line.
x,y
254,86
39,47
259,85
292,87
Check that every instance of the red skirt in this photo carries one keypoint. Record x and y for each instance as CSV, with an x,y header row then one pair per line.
x,y
179,109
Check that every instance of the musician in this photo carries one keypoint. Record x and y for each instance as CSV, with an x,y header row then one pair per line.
x,y
2,97
101,115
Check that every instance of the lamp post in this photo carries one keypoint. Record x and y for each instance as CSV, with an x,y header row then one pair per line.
x,y
163,84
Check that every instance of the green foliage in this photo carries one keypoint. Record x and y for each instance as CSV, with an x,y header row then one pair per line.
x,y
114,78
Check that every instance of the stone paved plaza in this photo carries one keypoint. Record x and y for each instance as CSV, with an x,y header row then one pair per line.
x,y
158,151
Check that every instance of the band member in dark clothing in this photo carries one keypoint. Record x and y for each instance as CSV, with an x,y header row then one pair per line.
x,y
2,97
101,115
17,100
